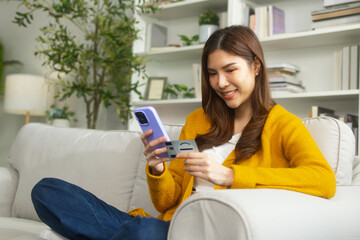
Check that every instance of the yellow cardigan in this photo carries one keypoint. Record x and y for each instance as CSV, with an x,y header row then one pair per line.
x,y
288,159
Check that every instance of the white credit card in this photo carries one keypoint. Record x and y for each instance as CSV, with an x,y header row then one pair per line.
x,y
184,146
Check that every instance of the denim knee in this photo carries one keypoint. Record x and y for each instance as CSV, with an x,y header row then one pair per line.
x,y
40,192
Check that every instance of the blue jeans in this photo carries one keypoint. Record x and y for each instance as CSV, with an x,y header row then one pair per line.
x,y
77,214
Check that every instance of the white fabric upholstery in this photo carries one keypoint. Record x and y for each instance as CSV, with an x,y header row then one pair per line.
x,y
356,171
20,229
8,184
337,143
262,214
104,163
111,165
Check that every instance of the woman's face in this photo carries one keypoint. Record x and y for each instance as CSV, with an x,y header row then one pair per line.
x,y
232,78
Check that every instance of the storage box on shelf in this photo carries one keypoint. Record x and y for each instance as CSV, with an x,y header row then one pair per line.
x,y
311,50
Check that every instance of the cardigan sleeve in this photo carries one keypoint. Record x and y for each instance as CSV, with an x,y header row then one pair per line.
x,y
165,190
307,171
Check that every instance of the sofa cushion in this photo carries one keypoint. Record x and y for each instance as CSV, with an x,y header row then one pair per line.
x,y
337,143
21,229
102,162
8,184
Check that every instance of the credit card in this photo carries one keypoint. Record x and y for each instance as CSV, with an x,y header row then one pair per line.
x,y
184,146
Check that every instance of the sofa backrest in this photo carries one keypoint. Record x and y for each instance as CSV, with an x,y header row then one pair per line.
x,y
103,162
337,143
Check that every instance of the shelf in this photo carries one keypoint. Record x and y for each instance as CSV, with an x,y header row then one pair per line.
x,y
286,41
324,96
172,102
188,8
313,38
175,54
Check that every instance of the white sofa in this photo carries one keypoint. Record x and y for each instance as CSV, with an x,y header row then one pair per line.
x,y
111,165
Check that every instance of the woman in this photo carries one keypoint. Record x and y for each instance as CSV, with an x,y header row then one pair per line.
x,y
245,141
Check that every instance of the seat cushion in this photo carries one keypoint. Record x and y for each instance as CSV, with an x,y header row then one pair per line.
x,y
337,143
102,162
21,229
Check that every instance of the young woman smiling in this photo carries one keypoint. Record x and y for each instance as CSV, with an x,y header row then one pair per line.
x,y
245,140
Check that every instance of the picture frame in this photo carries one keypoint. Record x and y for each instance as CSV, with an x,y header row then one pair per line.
x,y
155,88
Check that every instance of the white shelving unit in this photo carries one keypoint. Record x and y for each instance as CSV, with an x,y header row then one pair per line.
x,y
311,50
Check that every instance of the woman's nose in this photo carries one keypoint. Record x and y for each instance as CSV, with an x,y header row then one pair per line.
x,y
223,82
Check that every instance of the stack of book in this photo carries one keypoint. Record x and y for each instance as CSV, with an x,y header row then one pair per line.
x,y
336,12
346,68
283,78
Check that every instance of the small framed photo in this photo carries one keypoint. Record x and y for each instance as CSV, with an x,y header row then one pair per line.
x,y
155,88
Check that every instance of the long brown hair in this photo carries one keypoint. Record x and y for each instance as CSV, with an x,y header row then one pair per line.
x,y
240,41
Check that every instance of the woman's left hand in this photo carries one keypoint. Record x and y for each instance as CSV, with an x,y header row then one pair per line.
x,y
202,165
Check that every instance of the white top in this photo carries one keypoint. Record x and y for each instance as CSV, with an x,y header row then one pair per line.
x,y
219,153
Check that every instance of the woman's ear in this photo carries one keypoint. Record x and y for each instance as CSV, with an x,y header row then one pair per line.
x,y
256,66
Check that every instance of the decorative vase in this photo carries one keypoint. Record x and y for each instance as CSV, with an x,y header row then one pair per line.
x,y
205,31
61,123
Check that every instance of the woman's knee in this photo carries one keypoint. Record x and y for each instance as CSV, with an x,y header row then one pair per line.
x,y
41,190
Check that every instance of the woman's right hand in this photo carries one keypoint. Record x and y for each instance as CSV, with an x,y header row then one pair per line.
x,y
156,163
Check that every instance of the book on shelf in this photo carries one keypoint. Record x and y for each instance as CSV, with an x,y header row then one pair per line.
x,y
276,18
268,20
345,68
352,119
197,79
321,111
336,21
156,36
354,67
285,79
332,3
286,87
284,67
353,122
337,69
341,11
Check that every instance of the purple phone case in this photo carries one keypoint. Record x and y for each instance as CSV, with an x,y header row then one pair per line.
x,y
155,124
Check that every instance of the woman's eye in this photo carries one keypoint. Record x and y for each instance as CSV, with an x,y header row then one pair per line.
x,y
230,70
212,74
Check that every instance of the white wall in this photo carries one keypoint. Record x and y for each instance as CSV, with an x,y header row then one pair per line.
x,y
19,43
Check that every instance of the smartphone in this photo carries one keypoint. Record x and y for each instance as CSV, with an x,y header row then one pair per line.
x,y
148,118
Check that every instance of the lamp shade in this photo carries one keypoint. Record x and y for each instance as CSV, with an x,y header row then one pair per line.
x,y
25,94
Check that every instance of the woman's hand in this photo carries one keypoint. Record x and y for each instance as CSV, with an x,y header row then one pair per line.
x,y
156,164
202,165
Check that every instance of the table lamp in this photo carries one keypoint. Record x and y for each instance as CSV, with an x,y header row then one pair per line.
x,y
25,95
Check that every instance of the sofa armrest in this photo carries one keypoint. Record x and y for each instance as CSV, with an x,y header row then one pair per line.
x,y
356,171
8,185
259,214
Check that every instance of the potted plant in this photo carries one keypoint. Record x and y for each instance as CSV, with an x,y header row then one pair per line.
x,y
98,64
188,41
170,92
174,90
209,23
60,117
